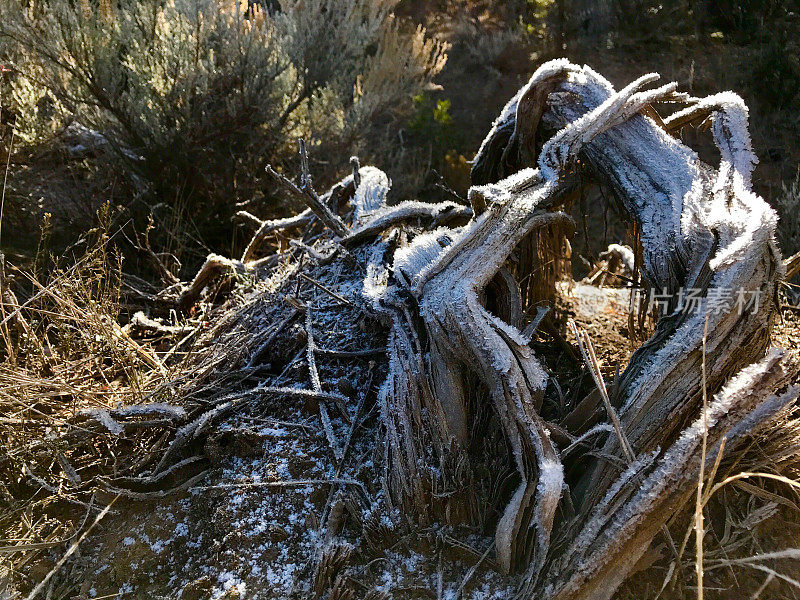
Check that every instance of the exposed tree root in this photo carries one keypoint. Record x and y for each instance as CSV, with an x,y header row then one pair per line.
x,y
454,285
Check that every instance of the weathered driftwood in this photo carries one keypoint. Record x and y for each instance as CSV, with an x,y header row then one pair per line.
x,y
459,348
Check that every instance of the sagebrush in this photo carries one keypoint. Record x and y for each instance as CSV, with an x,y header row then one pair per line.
x,y
195,97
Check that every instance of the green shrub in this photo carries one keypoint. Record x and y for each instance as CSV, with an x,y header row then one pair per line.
x,y
745,19
196,96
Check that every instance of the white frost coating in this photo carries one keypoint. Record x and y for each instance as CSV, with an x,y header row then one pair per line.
x,y
599,428
514,183
737,386
730,113
743,222
448,287
663,185
655,170
687,338
174,412
535,374
624,253
103,417
565,144
376,281
751,213
371,193
509,331
424,273
666,187
498,352
408,210
742,385
548,492
600,515
411,260
546,71
743,218
506,532
671,468
485,226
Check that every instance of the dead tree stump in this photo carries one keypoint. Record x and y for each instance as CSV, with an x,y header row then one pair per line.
x,y
464,389
702,229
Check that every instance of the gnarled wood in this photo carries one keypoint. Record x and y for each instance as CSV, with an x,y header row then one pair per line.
x,y
452,282
700,228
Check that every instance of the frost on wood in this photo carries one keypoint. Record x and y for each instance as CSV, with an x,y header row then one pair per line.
x,y
700,228
453,285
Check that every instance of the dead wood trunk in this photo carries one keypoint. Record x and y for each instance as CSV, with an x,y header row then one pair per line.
x,y
453,298
701,228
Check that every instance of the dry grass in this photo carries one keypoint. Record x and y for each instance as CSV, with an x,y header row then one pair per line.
x,y
788,205
66,366
71,356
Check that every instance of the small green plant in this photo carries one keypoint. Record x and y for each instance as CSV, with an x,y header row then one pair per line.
x,y
434,128
441,114
432,121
